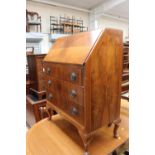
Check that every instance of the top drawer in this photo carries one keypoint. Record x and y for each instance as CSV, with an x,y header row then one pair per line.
x,y
70,73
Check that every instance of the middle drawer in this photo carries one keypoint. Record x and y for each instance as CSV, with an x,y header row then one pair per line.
x,y
65,91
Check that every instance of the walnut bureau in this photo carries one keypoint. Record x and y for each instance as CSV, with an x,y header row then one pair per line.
x,y
83,80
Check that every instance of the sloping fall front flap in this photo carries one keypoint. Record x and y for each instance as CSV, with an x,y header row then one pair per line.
x,y
73,49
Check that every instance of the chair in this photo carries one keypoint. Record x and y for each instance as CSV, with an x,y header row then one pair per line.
x,y
54,25
32,19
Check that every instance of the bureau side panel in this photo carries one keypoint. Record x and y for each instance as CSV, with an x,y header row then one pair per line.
x,y
106,71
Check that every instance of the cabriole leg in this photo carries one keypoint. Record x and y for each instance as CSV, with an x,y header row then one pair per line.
x,y
46,110
49,112
116,126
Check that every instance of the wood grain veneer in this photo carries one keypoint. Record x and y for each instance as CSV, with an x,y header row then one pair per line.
x,y
83,80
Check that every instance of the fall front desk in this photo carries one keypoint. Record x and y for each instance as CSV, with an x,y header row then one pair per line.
x,y
83,81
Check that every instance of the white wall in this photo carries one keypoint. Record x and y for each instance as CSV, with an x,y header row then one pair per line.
x,y
105,22
45,11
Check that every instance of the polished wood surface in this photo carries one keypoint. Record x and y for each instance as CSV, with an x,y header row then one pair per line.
x,y
58,137
67,92
73,49
36,75
106,65
63,99
28,86
63,72
94,80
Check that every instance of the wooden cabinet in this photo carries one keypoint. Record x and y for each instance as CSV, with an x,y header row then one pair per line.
x,y
36,74
83,80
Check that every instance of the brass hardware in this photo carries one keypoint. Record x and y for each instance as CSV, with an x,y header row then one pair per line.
x,y
49,82
73,93
74,111
43,70
50,96
73,76
48,70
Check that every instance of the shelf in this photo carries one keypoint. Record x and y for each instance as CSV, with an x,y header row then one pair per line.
x,y
34,37
66,25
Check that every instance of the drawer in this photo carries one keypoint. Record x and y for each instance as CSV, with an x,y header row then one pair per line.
x,y
74,93
50,83
76,111
60,93
56,87
51,96
65,90
73,110
68,73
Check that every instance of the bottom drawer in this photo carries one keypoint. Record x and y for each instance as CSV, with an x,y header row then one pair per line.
x,y
76,111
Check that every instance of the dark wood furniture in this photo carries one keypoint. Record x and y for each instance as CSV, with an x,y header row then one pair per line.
x,y
125,75
33,110
32,19
59,137
28,86
29,51
36,74
83,80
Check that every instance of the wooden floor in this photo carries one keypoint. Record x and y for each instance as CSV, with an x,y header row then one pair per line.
x,y
61,138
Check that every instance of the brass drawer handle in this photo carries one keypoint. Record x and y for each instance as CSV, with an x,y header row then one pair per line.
x,y
43,70
49,82
73,76
50,96
74,111
73,93
48,71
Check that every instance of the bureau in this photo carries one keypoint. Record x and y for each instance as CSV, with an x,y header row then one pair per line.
x,y
36,76
83,80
